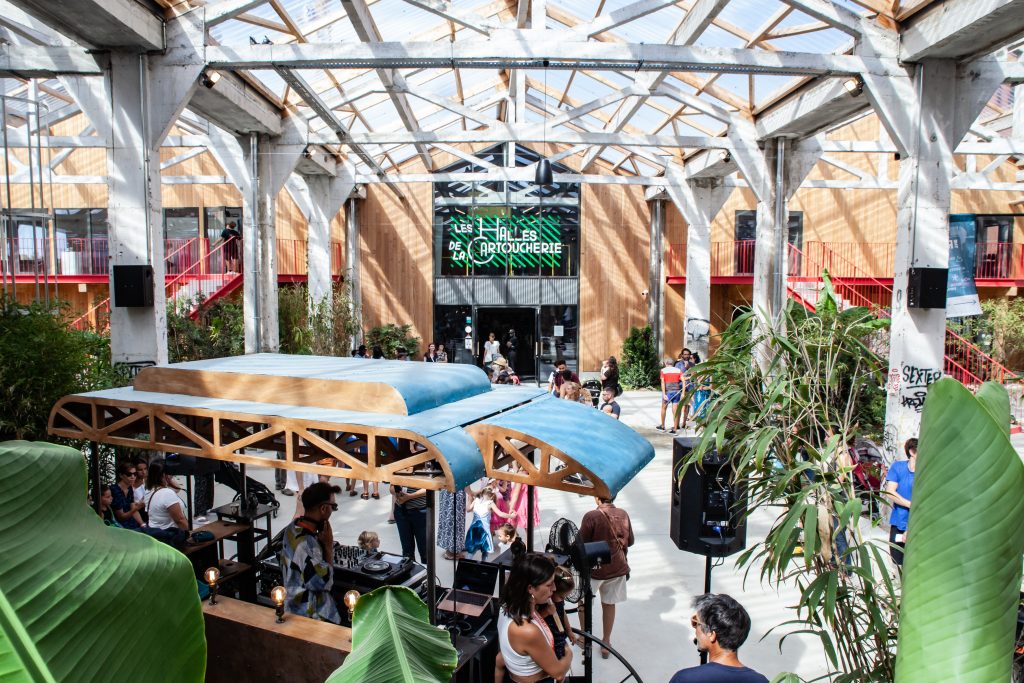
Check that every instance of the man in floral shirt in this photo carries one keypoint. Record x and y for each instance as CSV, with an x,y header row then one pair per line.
x,y
306,556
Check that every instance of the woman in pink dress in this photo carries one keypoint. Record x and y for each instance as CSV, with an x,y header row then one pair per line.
x,y
517,504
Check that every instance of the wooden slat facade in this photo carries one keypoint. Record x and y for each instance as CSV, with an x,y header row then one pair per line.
x,y
396,237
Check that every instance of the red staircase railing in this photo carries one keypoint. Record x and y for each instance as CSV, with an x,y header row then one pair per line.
x,y
964,361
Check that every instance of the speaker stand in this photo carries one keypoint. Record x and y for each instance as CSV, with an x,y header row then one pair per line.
x,y
707,589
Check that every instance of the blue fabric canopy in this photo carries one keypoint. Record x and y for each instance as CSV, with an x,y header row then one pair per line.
x,y
610,450
447,403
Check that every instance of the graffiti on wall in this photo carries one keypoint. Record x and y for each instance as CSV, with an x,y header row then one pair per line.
x,y
913,386
697,330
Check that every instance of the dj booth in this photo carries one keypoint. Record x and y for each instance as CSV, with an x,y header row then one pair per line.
x,y
354,569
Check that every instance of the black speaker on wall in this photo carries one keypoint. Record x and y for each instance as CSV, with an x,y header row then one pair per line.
x,y
133,286
926,287
708,512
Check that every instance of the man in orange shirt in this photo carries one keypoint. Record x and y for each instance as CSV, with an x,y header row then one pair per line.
x,y
671,393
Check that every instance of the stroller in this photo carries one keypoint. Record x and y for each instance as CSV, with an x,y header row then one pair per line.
x,y
593,387
869,474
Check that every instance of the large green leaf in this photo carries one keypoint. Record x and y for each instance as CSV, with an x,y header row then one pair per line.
x,y
80,601
394,642
966,536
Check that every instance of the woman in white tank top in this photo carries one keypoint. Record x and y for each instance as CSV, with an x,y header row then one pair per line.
x,y
527,646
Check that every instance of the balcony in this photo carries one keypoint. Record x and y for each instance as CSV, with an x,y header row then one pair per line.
x,y
87,260
997,264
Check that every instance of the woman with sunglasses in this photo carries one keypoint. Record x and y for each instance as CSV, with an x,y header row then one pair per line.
x,y
307,550
127,509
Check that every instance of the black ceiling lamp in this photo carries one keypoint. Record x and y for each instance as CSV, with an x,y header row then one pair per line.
x,y
544,176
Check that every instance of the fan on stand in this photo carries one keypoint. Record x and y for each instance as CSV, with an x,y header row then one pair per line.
x,y
560,541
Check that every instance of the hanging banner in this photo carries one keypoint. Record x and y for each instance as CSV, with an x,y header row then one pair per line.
x,y
961,292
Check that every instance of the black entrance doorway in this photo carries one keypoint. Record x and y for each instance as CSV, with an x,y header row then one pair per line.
x,y
501,321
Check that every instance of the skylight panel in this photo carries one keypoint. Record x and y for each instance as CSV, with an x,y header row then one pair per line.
x,y
398,20
271,80
766,85
716,37
749,15
652,28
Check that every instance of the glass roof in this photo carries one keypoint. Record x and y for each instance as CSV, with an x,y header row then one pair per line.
x,y
442,99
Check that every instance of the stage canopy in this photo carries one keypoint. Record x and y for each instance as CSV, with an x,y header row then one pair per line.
x,y
418,424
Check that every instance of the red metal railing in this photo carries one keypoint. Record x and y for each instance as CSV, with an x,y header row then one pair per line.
x,y
675,261
855,259
291,257
964,360
999,261
728,259
194,270
338,259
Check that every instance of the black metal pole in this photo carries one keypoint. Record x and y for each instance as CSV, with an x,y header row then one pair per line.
x,y
588,626
431,560
190,500
94,470
529,517
707,589
244,492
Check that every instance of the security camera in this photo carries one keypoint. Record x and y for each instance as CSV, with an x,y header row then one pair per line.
x,y
644,293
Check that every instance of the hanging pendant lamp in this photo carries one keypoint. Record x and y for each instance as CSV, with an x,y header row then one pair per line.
x,y
544,176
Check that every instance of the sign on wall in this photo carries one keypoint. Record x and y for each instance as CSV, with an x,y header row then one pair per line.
x,y
961,292
500,241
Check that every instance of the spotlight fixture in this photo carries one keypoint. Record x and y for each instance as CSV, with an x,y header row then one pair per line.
x,y
266,41
306,154
726,156
210,78
212,576
252,41
278,594
350,599
854,86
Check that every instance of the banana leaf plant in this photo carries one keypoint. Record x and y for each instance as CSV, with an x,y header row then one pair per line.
x,y
962,574
393,641
80,601
785,424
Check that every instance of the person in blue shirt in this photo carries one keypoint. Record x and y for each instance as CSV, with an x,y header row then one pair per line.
x,y
721,626
899,485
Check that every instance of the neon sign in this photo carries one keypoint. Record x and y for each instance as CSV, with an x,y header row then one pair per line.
x,y
499,241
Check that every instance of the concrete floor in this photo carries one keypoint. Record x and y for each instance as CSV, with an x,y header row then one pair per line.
x,y
652,628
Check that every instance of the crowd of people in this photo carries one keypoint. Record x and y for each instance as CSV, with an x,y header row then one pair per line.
x,y
145,498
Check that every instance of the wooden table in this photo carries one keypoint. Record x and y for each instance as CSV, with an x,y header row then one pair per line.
x,y
220,531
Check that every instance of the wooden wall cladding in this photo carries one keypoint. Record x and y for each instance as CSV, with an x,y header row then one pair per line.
x,y
614,257
396,258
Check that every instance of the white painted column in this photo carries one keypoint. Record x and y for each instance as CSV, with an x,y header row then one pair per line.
x,y
276,158
352,268
699,201
133,107
774,174
327,194
927,115
654,269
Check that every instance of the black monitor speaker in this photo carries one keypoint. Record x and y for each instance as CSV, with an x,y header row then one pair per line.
x,y
708,510
926,287
133,286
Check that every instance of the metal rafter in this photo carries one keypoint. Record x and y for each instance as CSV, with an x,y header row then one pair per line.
x,y
394,82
